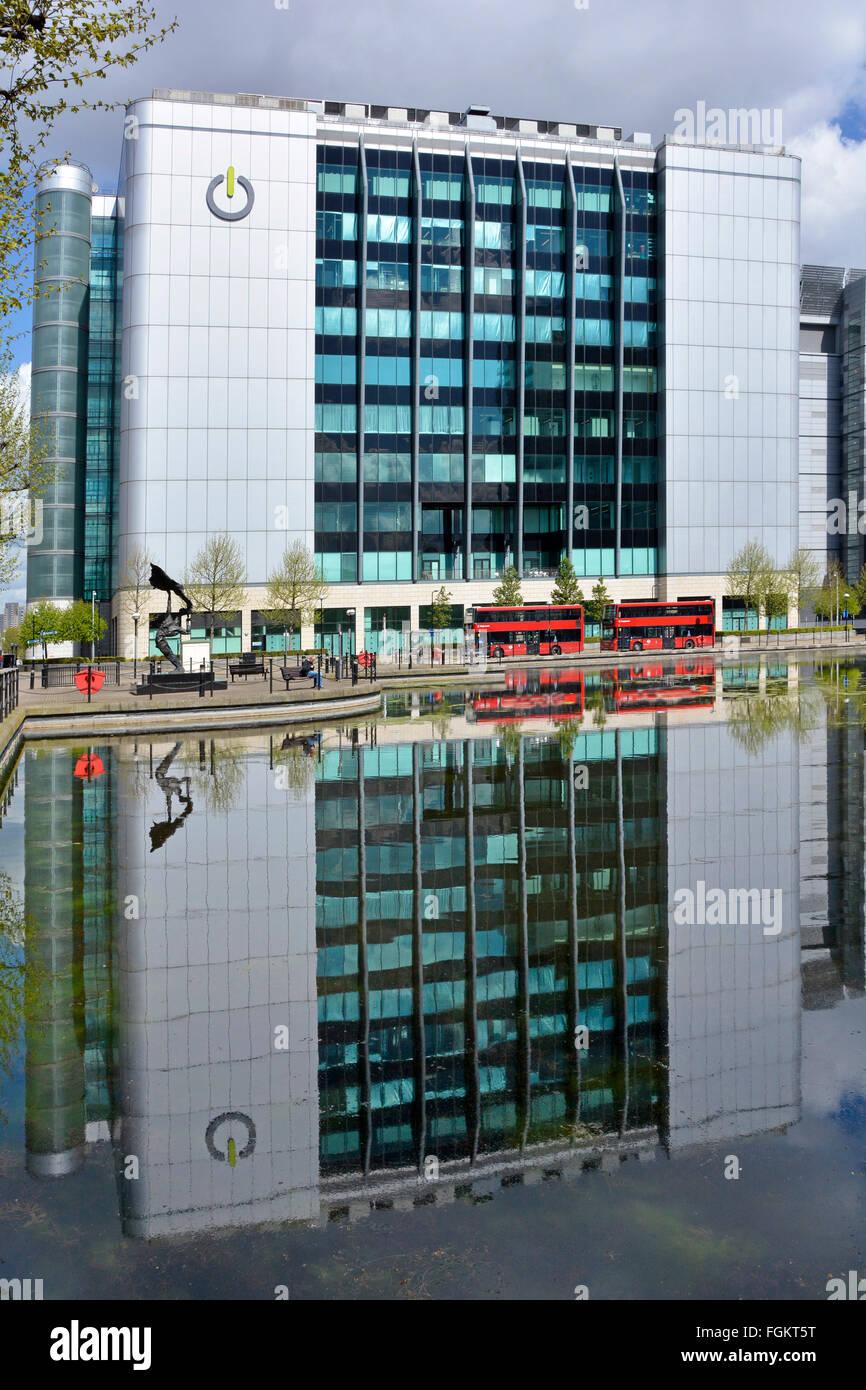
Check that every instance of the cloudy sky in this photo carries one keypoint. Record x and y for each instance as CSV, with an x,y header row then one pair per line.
x,y
630,63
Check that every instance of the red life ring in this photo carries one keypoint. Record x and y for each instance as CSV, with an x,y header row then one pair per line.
x,y
365,658
89,677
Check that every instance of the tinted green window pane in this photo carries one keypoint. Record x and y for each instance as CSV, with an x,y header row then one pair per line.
x,y
40,575
62,256
58,528
60,346
64,437
63,212
68,305
57,391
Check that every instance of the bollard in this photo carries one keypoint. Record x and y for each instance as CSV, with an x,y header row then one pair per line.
x,y
271,676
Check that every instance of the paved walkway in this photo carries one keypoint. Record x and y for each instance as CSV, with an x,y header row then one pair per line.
x,y
247,692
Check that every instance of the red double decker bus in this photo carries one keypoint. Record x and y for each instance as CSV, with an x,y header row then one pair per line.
x,y
531,630
647,625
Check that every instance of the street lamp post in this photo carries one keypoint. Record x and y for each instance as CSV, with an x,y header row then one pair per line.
x,y
847,596
92,624
350,619
135,618
321,634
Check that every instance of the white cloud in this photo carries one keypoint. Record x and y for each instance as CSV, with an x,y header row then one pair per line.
x,y
620,62
834,196
22,380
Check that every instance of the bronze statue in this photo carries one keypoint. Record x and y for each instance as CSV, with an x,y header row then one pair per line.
x,y
171,624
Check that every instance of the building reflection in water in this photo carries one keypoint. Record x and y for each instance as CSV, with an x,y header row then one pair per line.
x,y
427,965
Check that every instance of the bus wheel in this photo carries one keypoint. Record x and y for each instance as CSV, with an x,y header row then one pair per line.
x,y
689,644
556,650
637,646
498,653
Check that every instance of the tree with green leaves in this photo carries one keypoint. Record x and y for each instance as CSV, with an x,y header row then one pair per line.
x,y
216,580
830,600
858,591
25,981
595,606
776,597
296,589
80,623
567,586
48,51
804,578
751,575
508,593
440,610
40,622
511,735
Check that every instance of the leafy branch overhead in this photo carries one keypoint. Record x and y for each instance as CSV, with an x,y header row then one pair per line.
x,y
50,52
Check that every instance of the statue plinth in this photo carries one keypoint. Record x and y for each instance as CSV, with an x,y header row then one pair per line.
x,y
174,682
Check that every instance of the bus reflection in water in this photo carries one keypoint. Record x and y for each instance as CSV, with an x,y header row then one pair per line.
x,y
685,685
542,694
562,694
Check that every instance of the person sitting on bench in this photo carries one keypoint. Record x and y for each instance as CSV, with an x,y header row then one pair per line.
x,y
306,668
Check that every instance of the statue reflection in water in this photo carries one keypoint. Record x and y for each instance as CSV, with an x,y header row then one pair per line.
x,y
170,787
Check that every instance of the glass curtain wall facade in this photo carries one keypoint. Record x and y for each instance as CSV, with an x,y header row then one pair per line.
x,y
431,345
456,298
59,386
75,385
103,388
474,909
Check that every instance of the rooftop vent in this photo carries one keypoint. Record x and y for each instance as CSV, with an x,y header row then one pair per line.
x,y
478,118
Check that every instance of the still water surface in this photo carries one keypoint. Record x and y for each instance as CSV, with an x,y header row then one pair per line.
x,y
492,997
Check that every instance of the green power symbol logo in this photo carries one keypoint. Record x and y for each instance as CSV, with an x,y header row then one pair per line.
x,y
230,179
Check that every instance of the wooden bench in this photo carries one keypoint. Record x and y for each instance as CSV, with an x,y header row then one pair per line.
x,y
249,665
297,673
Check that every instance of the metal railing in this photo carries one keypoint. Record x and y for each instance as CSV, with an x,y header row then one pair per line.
x,y
50,677
782,637
8,691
